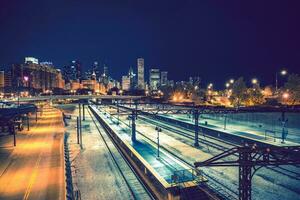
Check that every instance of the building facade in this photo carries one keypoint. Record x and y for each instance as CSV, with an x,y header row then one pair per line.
x,y
154,79
7,79
126,83
141,74
72,72
32,75
2,81
164,78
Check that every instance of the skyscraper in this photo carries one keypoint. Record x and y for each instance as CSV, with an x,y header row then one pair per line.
x,y
132,77
97,70
125,83
154,79
2,81
163,78
7,78
104,77
140,69
72,72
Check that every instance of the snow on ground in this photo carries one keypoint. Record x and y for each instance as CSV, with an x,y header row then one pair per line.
x,y
96,174
254,123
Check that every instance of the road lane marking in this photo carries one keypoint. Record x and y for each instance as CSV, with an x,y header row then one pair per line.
x,y
35,170
32,178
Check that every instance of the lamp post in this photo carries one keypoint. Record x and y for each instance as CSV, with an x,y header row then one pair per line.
x,y
18,85
158,131
254,81
283,73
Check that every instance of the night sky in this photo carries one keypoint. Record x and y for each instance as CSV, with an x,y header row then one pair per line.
x,y
216,40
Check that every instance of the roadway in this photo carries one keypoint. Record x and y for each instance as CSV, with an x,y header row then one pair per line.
x,y
35,168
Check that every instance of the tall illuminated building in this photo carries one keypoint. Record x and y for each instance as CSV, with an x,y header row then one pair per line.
x,y
154,79
163,78
140,70
72,72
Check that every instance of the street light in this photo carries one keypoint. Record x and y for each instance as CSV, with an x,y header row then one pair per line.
x,y
227,85
158,131
231,81
254,81
210,86
283,73
285,95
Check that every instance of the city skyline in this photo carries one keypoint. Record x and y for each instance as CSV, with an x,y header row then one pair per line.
x,y
151,100
237,39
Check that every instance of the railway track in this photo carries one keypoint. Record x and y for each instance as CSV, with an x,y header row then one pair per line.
x,y
207,140
221,189
136,187
222,147
213,142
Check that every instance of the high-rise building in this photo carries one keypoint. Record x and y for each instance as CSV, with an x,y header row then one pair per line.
x,y
132,77
96,69
72,72
105,70
104,77
154,79
60,82
36,76
2,81
164,78
140,69
125,83
7,79
191,80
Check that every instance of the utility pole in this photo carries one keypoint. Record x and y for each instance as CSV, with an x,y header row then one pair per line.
x,y
18,91
77,119
276,83
27,117
158,131
14,133
36,115
83,112
118,111
283,121
133,131
80,128
196,116
225,121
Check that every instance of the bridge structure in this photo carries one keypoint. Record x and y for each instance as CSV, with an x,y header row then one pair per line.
x,y
75,97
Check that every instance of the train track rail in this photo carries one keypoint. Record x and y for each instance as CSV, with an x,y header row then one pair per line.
x,y
214,185
135,185
213,142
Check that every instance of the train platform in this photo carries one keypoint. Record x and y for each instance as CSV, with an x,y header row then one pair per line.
x,y
91,176
165,165
238,133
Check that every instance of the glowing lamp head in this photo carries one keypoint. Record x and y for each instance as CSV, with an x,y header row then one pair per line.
x,y
26,78
283,72
227,85
231,81
285,95
174,98
254,81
